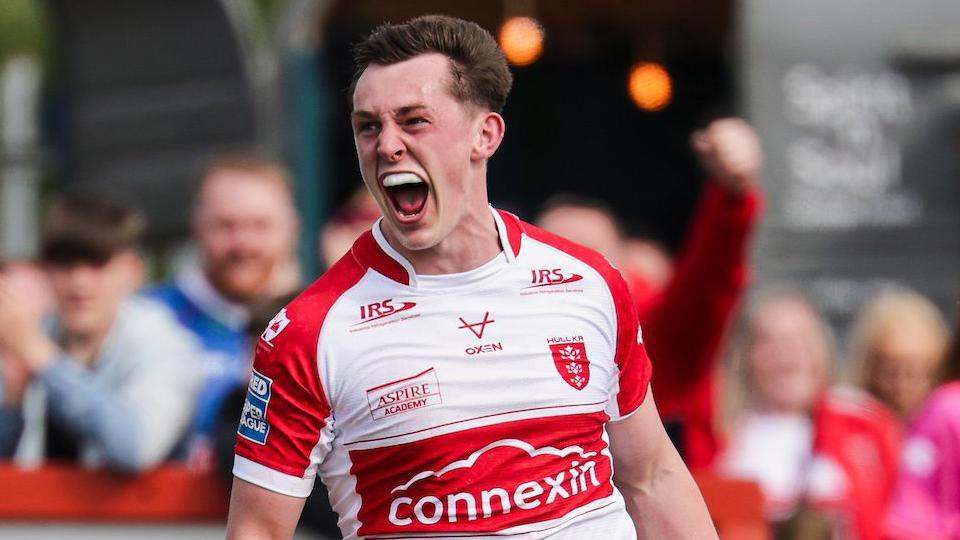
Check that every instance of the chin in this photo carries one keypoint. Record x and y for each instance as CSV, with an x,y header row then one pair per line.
x,y
414,238
80,325
244,290
418,241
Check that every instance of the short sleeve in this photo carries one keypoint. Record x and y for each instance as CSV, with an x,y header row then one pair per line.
x,y
633,365
284,430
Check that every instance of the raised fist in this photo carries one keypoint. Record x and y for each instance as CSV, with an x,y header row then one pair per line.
x,y
729,152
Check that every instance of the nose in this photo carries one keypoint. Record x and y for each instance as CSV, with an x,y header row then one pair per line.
x,y
390,144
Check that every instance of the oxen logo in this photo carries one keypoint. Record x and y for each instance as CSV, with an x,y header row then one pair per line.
x,y
572,363
473,326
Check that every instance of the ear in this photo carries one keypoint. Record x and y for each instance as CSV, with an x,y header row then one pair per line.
x,y
490,133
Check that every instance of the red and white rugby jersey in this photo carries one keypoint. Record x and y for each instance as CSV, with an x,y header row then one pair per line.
x,y
464,405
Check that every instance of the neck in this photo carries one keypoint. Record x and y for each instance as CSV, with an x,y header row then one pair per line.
x,y
471,244
83,347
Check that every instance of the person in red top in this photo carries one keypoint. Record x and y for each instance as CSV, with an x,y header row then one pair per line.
x,y
686,319
825,456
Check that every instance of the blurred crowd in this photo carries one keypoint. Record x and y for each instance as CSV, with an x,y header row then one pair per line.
x,y
846,440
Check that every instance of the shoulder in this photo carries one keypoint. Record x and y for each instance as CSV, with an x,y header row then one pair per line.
x,y
587,256
941,407
856,404
146,314
167,292
610,275
147,328
170,294
299,323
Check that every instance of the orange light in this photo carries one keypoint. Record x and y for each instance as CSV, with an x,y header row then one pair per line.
x,y
650,86
521,39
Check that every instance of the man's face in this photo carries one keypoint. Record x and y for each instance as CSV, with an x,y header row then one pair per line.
x,y
246,228
415,144
787,356
88,295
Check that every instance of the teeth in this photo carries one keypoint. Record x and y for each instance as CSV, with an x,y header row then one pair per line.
x,y
399,179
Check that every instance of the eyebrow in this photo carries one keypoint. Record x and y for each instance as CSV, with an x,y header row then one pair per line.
x,y
402,111
362,114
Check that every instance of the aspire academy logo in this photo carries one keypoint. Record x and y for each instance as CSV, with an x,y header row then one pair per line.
x,y
548,277
384,308
404,395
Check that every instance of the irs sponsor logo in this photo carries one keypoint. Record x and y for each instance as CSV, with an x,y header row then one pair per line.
x,y
253,420
405,395
384,308
276,325
570,360
382,313
477,328
484,479
547,277
485,348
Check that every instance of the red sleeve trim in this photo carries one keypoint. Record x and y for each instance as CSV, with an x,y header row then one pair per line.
x,y
297,407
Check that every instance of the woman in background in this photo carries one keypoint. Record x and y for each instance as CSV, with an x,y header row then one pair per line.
x,y
926,501
897,344
824,456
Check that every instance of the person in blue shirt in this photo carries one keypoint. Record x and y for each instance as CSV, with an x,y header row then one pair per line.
x,y
245,228
107,379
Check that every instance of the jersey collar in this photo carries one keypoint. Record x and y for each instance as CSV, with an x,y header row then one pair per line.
x,y
373,251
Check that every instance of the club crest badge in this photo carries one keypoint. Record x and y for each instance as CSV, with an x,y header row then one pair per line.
x,y
572,363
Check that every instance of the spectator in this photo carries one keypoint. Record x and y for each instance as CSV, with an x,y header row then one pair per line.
x,y
897,345
347,224
823,456
109,383
245,226
686,320
926,501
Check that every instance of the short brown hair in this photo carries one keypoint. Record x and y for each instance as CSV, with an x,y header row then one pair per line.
x,y
249,162
88,229
477,65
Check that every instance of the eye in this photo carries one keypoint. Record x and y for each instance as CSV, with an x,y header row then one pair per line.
x,y
367,128
415,121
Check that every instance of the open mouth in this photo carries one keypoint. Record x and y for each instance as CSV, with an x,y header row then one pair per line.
x,y
407,192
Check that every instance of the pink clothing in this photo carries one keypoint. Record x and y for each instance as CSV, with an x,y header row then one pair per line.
x,y
926,502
